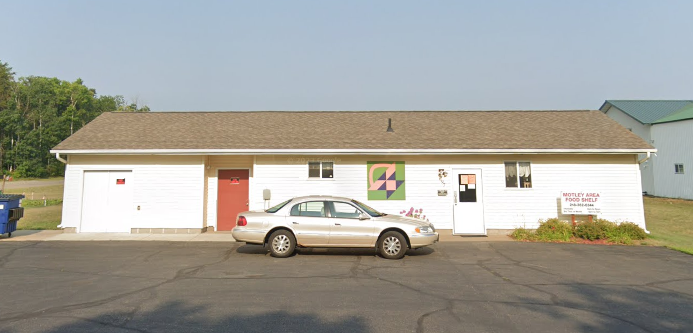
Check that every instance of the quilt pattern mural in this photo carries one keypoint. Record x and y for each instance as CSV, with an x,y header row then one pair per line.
x,y
386,181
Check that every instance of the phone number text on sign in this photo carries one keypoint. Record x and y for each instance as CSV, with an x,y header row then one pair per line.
x,y
581,203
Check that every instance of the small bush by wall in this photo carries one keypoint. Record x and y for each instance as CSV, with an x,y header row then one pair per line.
x,y
554,230
523,234
590,230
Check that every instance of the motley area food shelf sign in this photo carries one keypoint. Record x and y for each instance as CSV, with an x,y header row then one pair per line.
x,y
581,203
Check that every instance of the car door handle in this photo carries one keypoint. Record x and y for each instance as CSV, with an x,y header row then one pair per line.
x,y
294,222
337,224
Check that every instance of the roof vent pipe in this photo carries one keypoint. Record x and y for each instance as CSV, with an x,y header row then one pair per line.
x,y
389,125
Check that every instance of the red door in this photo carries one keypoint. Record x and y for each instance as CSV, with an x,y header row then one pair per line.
x,y
232,197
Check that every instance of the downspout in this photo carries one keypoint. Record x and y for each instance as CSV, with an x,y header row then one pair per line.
x,y
57,156
644,159
647,157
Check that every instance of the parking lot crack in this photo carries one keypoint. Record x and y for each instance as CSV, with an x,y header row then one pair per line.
x,y
420,321
657,285
6,258
146,258
422,318
520,263
102,323
555,300
93,274
180,274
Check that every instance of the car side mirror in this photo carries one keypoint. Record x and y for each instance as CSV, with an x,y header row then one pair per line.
x,y
363,216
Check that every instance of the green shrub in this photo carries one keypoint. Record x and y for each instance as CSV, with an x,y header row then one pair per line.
x,y
606,225
623,233
523,234
554,230
632,230
590,230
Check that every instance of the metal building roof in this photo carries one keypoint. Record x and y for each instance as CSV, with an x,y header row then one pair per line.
x,y
685,113
648,111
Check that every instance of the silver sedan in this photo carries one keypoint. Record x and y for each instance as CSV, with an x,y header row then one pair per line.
x,y
326,221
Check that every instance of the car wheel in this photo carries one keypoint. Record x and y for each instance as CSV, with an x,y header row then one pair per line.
x,y
282,243
392,245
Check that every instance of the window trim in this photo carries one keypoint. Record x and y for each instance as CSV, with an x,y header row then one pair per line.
x,y
517,176
321,178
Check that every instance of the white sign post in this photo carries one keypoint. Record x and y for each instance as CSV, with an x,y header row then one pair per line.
x,y
581,203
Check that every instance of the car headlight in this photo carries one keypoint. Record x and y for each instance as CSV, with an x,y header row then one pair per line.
x,y
425,230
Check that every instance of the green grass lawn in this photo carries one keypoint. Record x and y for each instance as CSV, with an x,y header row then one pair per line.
x,y
670,222
37,193
41,218
37,217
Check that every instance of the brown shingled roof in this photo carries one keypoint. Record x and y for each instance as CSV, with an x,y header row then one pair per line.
x,y
354,130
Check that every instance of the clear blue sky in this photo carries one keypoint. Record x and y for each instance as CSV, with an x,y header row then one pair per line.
x,y
358,55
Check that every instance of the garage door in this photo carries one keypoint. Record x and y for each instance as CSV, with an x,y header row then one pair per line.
x,y
107,201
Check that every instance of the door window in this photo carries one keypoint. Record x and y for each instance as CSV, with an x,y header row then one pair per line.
x,y
310,208
345,210
467,187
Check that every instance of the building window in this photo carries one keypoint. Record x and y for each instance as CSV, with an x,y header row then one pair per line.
x,y
518,175
678,168
320,169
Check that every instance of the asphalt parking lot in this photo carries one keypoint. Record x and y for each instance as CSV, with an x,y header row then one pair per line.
x,y
450,287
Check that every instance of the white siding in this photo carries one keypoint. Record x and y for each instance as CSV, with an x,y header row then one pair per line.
x,y
168,189
615,176
674,145
180,191
214,164
647,169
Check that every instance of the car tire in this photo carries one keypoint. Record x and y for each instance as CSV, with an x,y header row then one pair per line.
x,y
392,245
282,243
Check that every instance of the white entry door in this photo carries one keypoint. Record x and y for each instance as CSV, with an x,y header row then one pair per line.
x,y
468,210
107,201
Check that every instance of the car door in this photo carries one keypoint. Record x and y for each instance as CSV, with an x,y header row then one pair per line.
x,y
348,228
310,223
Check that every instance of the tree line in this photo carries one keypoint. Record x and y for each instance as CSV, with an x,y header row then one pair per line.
x,y
37,113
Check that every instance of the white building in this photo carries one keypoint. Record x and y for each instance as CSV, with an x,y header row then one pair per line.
x,y
473,172
667,125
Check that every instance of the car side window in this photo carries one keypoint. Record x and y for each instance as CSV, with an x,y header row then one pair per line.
x,y
344,210
310,208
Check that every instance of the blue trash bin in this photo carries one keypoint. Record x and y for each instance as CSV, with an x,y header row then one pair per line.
x,y
10,212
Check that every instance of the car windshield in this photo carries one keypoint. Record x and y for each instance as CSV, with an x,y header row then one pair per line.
x,y
369,210
277,207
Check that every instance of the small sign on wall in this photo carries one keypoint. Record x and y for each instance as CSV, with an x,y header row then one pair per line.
x,y
120,181
581,203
